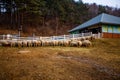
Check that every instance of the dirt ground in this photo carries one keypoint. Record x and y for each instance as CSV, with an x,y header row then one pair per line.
x,y
99,62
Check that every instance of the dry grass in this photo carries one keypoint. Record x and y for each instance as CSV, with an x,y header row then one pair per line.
x,y
100,62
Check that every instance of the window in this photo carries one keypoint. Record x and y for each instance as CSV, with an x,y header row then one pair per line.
x,y
104,28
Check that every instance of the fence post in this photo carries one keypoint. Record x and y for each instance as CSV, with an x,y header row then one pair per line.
x,y
90,33
73,36
33,36
64,37
82,34
99,35
3,37
53,38
40,38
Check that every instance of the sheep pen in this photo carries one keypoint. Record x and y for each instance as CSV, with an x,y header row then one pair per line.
x,y
76,42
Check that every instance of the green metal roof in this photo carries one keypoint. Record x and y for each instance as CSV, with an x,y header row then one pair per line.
x,y
102,18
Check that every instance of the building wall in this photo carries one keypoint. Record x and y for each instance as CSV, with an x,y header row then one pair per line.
x,y
111,31
108,31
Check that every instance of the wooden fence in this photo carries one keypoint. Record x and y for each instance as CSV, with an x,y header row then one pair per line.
x,y
61,37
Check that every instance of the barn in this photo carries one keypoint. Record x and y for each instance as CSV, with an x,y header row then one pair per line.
x,y
107,25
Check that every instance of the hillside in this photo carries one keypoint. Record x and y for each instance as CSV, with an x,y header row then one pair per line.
x,y
99,62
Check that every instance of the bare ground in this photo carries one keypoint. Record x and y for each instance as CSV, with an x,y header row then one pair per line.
x,y
99,62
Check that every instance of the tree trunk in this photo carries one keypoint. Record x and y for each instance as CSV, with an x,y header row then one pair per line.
x,y
57,25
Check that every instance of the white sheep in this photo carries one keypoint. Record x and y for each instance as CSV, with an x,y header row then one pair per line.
x,y
79,43
13,43
39,43
35,43
76,43
55,43
29,43
43,43
66,43
24,43
4,42
86,43
19,43
60,43
73,43
82,38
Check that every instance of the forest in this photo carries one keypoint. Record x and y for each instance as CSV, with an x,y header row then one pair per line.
x,y
47,17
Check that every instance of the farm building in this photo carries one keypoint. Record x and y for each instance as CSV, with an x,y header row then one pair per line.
x,y
106,24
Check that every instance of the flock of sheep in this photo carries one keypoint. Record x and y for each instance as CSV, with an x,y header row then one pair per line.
x,y
78,42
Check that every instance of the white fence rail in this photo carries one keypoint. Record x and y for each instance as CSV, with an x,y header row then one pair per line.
x,y
61,37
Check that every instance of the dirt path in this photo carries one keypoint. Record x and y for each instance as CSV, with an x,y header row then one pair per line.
x,y
94,64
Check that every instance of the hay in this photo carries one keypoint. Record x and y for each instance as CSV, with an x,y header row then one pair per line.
x,y
23,51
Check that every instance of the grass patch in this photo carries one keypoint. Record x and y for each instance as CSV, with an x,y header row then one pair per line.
x,y
99,62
